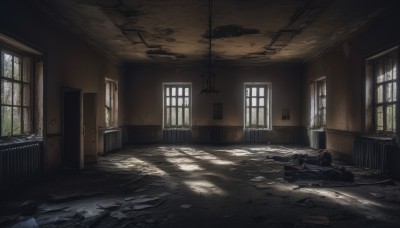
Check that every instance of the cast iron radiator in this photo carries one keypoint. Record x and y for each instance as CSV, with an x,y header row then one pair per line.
x,y
317,139
255,136
20,163
177,135
112,140
373,153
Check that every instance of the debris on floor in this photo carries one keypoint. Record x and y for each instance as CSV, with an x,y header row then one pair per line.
x,y
316,220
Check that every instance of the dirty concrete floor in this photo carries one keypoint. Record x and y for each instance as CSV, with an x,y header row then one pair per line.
x,y
202,186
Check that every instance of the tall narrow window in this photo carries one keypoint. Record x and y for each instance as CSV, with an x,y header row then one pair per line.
x,y
385,76
15,90
257,99
110,103
177,105
318,103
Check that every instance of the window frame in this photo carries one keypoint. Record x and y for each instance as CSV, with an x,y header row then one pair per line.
x,y
26,103
267,105
317,121
176,85
372,85
112,107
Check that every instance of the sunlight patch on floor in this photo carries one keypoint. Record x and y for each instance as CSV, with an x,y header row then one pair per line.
x,y
205,187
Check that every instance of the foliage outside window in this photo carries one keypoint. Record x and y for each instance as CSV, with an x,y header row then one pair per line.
x,y
257,106
15,94
110,102
177,105
385,76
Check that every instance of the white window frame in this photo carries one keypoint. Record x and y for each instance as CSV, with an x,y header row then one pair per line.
x,y
113,105
184,85
26,104
316,119
267,105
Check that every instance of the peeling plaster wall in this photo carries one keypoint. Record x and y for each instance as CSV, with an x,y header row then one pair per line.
x,y
69,62
343,66
144,100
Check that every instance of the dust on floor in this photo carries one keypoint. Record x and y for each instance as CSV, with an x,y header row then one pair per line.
x,y
203,186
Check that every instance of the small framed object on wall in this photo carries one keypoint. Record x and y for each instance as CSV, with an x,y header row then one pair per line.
x,y
285,114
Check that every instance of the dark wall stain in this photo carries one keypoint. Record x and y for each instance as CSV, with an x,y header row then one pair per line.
x,y
164,54
228,31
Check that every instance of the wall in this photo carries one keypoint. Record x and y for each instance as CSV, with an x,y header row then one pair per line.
x,y
69,62
343,65
143,121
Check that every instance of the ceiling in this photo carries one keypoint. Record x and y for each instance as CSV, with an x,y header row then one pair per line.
x,y
253,31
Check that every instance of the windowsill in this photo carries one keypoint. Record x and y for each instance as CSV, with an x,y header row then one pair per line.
x,y
10,140
258,129
177,128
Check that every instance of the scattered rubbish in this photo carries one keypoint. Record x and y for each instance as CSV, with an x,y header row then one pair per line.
x,y
263,185
335,174
164,194
118,215
232,169
69,197
258,179
96,220
31,223
141,189
305,202
186,206
144,200
316,220
141,206
323,158
377,195
109,205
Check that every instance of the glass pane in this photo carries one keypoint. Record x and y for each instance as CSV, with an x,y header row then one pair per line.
x,y
254,102
180,91
186,101
16,121
180,101
173,116
26,63
7,65
261,117
394,92
323,116
389,92
186,92
186,117
6,92
388,68
247,102
6,121
247,117
247,92
254,91
261,92
108,100
26,120
389,118
168,117
167,101
322,102
394,118
166,91
27,95
173,101
17,94
394,72
173,91
254,116
379,94
261,102
180,116
379,71
379,118
17,68
107,116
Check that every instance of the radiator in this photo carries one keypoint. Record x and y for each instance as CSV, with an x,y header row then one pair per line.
x,y
177,135
255,136
373,153
317,139
112,140
20,163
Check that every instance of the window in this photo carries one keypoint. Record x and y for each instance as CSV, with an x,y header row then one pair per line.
x,y
318,103
177,105
15,89
257,105
385,90
110,103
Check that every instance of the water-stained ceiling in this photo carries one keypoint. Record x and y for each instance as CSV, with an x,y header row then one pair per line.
x,y
253,31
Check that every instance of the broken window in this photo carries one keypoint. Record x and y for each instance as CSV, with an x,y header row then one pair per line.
x,y
15,90
384,68
110,102
177,105
257,105
318,103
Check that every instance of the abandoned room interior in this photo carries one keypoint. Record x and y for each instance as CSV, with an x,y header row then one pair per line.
x,y
199,113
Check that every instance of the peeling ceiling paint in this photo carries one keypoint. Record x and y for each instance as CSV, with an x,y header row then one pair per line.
x,y
256,31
